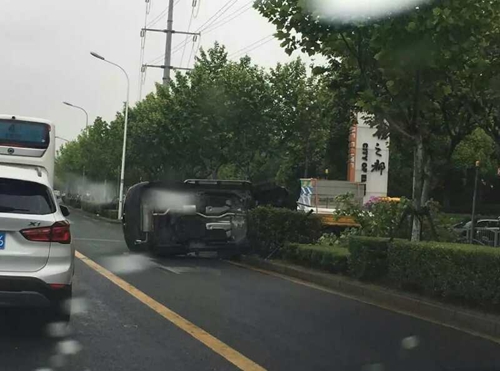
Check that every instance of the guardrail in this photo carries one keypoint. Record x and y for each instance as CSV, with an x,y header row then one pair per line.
x,y
485,236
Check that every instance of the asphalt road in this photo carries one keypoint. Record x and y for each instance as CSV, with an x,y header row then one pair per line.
x,y
276,323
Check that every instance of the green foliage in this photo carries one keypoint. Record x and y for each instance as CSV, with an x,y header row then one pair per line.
x,y
478,146
368,257
331,259
428,74
463,272
224,119
110,214
270,228
377,218
91,207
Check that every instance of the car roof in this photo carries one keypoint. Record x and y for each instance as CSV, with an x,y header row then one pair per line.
x,y
28,173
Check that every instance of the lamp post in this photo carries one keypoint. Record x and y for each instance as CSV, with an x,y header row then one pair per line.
x,y
122,172
80,108
63,139
474,196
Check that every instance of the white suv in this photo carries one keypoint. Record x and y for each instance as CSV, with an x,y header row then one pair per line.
x,y
36,255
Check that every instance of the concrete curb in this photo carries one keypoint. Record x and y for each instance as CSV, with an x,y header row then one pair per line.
x,y
473,322
97,217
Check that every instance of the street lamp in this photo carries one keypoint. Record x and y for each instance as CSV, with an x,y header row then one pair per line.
x,y
122,173
64,139
474,196
80,108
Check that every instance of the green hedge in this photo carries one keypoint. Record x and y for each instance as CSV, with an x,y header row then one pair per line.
x,y
368,257
465,272
270,228
332,259
110,214
91,207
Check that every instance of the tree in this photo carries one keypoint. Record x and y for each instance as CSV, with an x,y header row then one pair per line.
x,y
410,71
224,119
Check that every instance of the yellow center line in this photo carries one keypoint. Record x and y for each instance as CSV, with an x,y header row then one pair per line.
x,y
224,350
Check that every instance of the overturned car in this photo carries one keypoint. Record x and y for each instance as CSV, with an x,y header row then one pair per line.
x,y
173,218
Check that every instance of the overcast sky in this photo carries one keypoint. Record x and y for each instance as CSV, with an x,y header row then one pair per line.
x,y
46,45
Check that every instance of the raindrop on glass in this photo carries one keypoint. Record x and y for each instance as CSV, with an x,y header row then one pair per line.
x,y
69,347
410,342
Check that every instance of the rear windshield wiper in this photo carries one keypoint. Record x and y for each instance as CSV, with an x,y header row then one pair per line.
x,y
8,209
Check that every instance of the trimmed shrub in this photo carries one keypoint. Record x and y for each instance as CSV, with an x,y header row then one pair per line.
x,y
91,207
368,257
465,272
110,214
270,228
331,259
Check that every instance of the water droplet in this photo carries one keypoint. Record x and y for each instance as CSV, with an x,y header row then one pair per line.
x,y
124,264
58,329
69,347
76,306
410,342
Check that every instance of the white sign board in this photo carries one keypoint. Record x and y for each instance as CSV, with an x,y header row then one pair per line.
x,y
372,160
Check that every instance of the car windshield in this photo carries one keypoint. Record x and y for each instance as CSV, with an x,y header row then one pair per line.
x,y
250,185
18,133
23,197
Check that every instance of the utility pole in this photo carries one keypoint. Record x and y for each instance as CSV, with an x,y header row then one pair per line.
x,y
168,46
167,66
474,196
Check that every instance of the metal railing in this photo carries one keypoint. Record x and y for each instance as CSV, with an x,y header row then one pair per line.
x,y
484,236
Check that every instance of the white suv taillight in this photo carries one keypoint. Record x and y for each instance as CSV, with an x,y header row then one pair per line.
x,y
58,232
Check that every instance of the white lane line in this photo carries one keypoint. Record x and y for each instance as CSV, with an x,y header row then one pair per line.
x,y
97,240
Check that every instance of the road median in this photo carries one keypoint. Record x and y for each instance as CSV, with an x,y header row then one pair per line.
x,y
474,322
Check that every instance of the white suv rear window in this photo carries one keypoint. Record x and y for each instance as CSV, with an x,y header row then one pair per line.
x,y
23,197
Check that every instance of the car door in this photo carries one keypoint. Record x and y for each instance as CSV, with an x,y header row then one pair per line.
x,y
26,218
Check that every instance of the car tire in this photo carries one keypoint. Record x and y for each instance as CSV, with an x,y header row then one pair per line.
x,y
61,306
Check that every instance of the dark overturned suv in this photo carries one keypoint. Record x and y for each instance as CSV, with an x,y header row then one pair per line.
x,y
172,218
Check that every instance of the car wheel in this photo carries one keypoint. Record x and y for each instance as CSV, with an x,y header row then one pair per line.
x,y
61,306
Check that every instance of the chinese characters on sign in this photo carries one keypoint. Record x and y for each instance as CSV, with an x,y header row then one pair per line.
x,y
371,158
376,166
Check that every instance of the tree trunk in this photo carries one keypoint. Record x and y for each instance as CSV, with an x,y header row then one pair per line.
x,y
306,165
427,178
419,165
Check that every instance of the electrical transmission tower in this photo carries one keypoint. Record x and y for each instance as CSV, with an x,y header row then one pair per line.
x,y
167,65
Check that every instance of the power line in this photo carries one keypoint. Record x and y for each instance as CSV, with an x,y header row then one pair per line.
x,y
208,24
198,10
217,14
169,31
188,29
253,46
142,75
229,17
159,16
196,52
